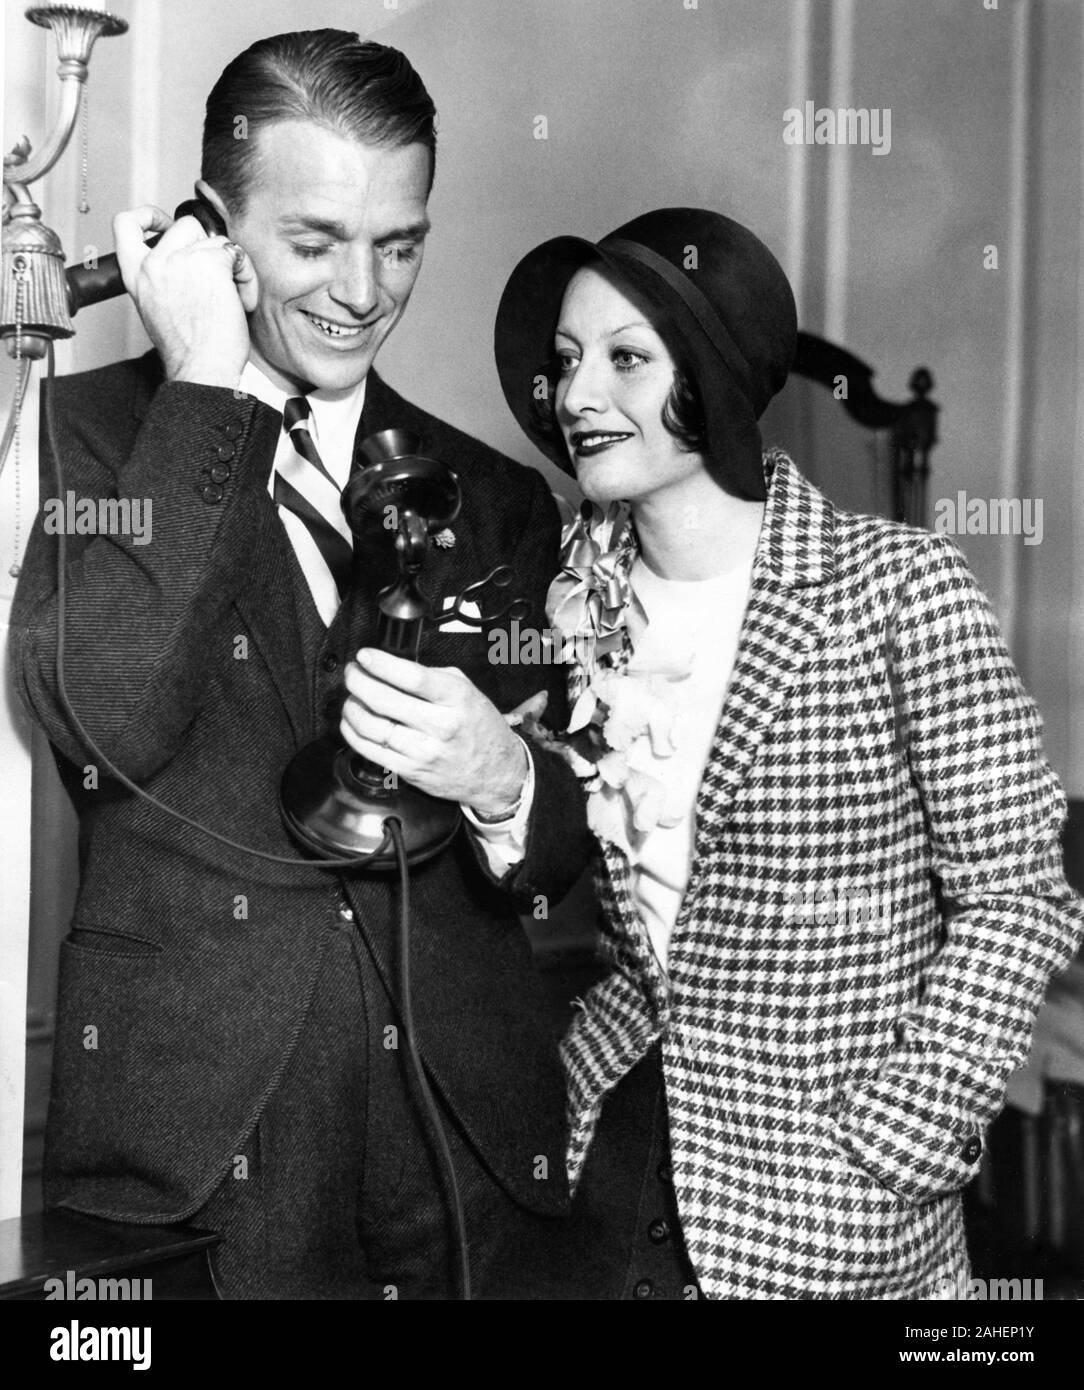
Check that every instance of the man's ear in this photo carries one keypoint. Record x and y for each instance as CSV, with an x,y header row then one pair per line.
x,y
208,194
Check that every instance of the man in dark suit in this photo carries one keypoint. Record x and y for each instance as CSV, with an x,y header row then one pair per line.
x,y
229,1040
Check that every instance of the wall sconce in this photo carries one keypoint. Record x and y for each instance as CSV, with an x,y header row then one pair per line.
x,y
33,290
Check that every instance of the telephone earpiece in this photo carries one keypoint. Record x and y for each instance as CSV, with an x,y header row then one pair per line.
x,y
91,284
204,213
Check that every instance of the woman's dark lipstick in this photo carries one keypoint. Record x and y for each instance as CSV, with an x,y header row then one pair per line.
x,y
588,442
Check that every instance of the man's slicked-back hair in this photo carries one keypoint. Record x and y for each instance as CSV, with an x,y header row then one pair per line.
x,y
356,88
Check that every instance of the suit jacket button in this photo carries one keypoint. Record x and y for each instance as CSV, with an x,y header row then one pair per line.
x,y
644,1289
330,662
225,452
972,1150
232,430
212,493
218,473
658,1231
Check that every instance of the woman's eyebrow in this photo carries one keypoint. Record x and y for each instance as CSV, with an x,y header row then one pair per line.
x,y
611,333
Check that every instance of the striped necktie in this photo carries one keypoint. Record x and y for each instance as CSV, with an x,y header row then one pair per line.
x,y
320,498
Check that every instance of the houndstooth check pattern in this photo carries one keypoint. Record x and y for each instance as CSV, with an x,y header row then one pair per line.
x,y
825,1069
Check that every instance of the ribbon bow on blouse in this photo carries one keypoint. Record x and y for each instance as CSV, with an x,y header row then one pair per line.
x,y
589,598
622,711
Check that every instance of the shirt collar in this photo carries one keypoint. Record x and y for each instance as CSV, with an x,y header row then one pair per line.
x,y
330,409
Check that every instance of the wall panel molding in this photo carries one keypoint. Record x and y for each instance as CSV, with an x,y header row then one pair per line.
x,y
1075,625
1020,232
798,210
838,176
145,150
29,67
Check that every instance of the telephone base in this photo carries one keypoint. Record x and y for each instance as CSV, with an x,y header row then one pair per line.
x,y
331,812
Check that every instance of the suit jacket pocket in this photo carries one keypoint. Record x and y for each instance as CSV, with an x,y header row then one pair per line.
x,y
111,941
100,1000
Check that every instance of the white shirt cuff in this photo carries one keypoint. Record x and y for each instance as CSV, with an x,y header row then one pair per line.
x,y
503,843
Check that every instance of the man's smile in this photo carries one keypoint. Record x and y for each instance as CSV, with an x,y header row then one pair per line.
x,y
332,329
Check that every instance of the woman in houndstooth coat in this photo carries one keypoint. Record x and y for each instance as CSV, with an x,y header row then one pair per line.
x,y
828,840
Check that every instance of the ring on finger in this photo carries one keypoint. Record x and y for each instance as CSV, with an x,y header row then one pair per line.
x,y
237,252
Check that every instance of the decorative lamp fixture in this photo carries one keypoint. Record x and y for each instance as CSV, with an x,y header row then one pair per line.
x,y
34,297
33,293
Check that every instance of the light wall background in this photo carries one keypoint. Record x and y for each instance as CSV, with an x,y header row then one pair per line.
x,y
666,102
653,102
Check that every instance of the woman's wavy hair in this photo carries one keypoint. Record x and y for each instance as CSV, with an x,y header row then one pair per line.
x,y
362,90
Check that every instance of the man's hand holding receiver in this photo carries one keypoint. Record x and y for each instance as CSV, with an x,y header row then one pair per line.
x,y
192,292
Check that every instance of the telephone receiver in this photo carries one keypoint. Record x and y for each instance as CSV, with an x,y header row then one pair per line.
x,y
93,284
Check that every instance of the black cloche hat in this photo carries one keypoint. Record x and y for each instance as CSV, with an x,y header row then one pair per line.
x,y
724,305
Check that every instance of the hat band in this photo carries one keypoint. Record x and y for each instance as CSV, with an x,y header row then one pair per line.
x,y
697,304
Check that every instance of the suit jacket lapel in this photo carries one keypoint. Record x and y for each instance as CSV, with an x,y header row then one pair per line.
x,y
268,607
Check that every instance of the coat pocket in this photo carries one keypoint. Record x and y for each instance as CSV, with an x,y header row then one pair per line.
x,y
100,998
858,1239
111,942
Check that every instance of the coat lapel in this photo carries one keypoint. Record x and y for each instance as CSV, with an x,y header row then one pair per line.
x,y
267,605
784,623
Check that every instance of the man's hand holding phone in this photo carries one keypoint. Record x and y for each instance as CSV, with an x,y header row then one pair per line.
x,y
192,292
434,728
